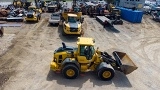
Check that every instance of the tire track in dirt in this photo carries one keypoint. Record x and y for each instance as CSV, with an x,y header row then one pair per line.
x,y
32,46
147,45
10,63
128,48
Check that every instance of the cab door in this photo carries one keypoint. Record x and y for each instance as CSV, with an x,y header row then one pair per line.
x,y
85,54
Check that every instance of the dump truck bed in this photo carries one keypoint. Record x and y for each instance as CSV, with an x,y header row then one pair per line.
x,y
65,14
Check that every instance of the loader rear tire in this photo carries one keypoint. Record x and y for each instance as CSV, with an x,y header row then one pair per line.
x,y
70,71
105,73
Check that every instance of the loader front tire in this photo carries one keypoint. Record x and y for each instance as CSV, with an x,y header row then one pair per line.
x,y
105,73
70,71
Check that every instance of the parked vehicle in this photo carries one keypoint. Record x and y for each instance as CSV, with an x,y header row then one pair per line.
x,y
55,18
146,8
156,15
33,14
51,6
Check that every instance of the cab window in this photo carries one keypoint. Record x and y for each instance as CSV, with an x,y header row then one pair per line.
x,y
87,51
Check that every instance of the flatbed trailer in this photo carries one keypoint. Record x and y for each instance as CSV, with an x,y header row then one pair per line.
x,y
10,25
15,19
104,21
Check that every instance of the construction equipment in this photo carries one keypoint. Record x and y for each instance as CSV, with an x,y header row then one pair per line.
x,y
84,8
3,14
92,11
110,7
34,8
27,4
52,6
37,6
72,20
156,15
18,3
55,18
40,4
72,23
12,15
115,16
16,15
33,14
71,61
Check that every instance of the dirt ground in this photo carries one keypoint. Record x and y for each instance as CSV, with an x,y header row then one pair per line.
x,y
26,53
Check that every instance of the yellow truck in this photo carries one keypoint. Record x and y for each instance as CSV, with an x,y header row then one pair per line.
x,y
72,23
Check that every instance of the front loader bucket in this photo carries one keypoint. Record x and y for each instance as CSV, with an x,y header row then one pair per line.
x,y
124,63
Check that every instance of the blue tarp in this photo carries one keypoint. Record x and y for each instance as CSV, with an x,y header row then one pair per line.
x,y
130,15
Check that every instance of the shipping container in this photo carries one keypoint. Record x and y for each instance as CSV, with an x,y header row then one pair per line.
x,y
130,15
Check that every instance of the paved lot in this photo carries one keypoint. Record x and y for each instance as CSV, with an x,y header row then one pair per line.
x,y
26,53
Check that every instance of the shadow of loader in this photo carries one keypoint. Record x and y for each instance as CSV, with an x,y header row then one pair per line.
x,y
120,80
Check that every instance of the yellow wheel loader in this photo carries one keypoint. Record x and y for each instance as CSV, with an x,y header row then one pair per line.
x,y
71,61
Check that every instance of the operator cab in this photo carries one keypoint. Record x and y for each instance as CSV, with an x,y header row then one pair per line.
x,y
87,51
72,18
86,48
